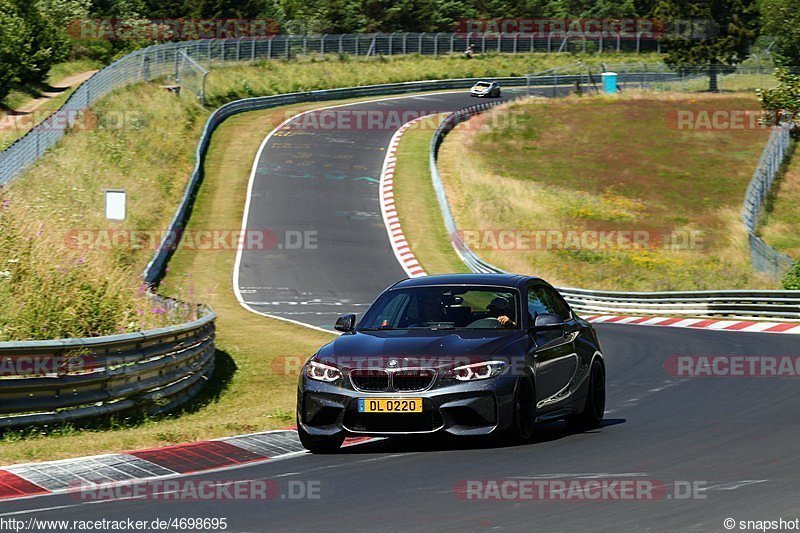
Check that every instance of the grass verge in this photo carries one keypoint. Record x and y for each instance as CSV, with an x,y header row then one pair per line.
x,y
314,73
782,212
417,206
578,166
12,126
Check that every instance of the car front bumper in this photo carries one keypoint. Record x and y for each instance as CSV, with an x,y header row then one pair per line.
x,y
463,409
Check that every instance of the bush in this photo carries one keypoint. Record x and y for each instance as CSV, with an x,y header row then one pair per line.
x,y
13,38
781,103
791,281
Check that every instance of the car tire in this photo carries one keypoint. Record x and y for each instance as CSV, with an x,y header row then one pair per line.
x,y
592,415
319,445
523,422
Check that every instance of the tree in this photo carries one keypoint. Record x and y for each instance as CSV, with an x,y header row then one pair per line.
x,y
731,29
14,36
47,43
781,19
782,102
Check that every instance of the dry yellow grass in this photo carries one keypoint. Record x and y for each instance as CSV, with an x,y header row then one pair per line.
x,y
257,359
571,166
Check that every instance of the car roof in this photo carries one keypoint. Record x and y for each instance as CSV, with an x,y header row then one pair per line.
x,y
502,280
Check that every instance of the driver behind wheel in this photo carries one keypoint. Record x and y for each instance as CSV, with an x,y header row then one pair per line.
x,y
500,309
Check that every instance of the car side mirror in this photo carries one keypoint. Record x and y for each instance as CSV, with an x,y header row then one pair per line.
x,y
548,321
345,323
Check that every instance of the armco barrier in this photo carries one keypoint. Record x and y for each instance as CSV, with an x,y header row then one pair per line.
x,y
560,83
161,60
72,379
742,303
157,370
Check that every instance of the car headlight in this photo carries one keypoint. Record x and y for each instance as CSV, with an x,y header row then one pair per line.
x,y
476,371
322,372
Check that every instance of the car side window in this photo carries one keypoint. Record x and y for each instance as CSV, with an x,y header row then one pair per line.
x,y
553,302
535,305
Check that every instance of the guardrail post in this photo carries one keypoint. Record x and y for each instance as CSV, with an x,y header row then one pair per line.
x,y
322,45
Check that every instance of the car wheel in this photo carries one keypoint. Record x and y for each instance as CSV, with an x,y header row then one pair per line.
x,y
319,445
524,419
595,406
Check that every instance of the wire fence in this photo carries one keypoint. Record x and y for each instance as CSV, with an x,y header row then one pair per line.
x,y
763,257
189,62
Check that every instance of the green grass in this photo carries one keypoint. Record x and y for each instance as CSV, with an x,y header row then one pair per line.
x,y
417,207
782,217
609,164
12,130
313,73
151,157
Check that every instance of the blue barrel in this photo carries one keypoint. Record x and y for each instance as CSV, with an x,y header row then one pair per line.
x,y
609,82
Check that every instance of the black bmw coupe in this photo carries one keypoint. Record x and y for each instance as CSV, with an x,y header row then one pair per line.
x,y
465,354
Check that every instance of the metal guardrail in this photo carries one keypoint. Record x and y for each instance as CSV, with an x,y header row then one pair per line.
x,y
155,269
722,303
158,370
167,59
763,256
155,370
72,379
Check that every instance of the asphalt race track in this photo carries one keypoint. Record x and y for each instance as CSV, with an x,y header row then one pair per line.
x,y
736,436
734,439
321,184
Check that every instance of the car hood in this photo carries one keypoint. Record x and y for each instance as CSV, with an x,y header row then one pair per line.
x,y
417,348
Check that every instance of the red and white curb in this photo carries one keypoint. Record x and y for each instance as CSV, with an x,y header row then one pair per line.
x,y
408,261
700,323
73,475
400,245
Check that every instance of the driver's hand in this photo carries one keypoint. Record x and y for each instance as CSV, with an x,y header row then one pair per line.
x,y
505,321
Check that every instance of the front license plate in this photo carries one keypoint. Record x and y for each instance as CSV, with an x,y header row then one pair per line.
x,y
390,405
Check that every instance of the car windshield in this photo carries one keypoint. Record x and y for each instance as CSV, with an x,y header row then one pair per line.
x,y
482,84
443,307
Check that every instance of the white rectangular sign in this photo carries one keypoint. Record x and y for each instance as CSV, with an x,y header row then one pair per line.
x,y
115,204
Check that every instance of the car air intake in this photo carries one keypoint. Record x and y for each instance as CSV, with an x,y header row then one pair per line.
x,y
370,380
412,380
